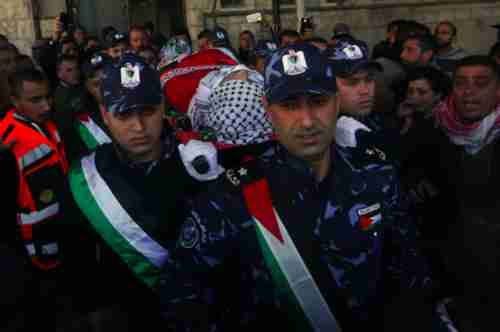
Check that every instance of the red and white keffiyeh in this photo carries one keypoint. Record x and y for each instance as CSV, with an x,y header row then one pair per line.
x,y
472,136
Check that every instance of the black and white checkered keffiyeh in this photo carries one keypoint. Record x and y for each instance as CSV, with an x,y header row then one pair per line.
x,y
237,114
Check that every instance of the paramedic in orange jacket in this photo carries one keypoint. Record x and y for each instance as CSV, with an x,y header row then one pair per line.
x,y
41,169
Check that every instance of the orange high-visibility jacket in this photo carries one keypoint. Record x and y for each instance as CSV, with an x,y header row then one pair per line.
x,y
42,168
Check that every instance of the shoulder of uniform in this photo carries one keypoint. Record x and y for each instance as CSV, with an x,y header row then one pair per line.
x,y
246,173
364,155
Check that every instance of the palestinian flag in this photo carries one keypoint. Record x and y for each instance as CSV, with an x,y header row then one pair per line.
x,y
287,267
369,217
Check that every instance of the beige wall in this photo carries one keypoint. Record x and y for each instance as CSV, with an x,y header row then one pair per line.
x,y
16,22
368,18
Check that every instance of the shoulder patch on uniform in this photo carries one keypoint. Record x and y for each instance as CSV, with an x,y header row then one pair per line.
x,y
190,234
369,217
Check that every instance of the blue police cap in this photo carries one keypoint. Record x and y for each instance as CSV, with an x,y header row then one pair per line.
x,y
298,69
349,56
114,38
130,85
91,65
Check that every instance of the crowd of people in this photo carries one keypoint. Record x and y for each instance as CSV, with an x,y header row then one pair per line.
x,y
293,182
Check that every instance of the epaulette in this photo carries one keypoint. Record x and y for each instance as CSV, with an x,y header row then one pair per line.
x,y
248,172
365,154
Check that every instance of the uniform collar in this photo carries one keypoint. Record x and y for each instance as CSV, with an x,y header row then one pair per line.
x,y
300,166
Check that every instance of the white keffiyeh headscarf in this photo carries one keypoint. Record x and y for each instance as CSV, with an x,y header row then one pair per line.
x,y
237,115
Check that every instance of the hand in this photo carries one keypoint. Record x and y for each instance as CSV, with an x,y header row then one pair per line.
x,y
58,28
275,31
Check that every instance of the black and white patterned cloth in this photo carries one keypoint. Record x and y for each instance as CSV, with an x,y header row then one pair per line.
x,y
237,115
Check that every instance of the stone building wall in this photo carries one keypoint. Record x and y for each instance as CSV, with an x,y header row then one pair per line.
x,y
16,22
367,18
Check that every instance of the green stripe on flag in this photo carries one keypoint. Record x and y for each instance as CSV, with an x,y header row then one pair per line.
x,y
284,289
138,263
87,137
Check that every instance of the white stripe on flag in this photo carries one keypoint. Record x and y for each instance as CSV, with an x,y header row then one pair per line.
x,y
50,249
118,217
30,248
99,135
300,280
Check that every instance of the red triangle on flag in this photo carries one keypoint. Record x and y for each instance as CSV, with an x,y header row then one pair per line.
x,y
259,203
365,222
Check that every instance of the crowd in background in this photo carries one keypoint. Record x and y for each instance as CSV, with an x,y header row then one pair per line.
x,y
432,112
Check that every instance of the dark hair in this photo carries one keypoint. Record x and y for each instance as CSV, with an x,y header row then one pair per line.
x,y
395,24
94,38
81,28
317,39
3,38
425,41
448,23
106,31
288,33
250,33
439,81
65,58
24,61
206,33
63,42
409,29
22,75
478,60
136,28
186,33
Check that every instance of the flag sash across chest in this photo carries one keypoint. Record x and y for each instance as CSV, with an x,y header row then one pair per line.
x,y
143,254
287,267
92,134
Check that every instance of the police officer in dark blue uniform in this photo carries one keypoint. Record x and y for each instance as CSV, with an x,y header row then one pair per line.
x,y
356,82
296,239
128,197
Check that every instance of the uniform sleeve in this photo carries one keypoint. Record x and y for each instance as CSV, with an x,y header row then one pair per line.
x,y
405,263
79,254
192,281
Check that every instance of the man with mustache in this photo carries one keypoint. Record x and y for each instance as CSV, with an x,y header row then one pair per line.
x,y
292,240
418,50
461,193
129,197
447,55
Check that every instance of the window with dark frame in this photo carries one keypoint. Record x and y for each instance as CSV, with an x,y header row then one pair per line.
x,y
239,3
232,3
